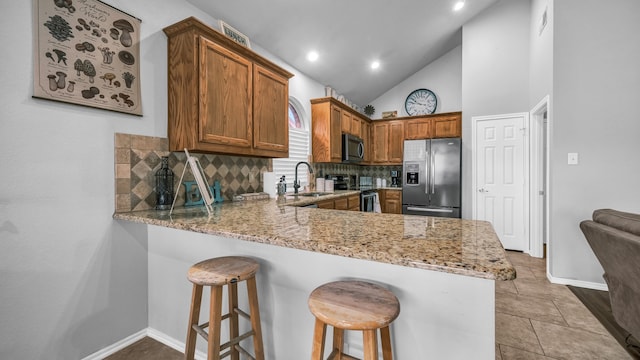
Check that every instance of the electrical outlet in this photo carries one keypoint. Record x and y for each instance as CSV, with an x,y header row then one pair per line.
x,y
572,158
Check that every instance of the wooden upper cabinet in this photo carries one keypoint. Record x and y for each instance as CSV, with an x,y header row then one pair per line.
x,y
350,123
396,141
223,97
355,126
329,120
434,126
346,121
326,132
383,139
365,133
416,129
270,110
447,126
388,141
380,141
336,134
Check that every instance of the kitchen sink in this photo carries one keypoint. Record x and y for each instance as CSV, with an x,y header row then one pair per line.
x,y
313,194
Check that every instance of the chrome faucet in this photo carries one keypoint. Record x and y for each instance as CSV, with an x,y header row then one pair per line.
x,y
296,183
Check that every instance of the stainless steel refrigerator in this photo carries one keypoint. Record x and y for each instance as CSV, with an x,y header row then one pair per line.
x,y
431,183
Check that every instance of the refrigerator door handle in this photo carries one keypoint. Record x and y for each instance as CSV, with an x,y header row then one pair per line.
x,y
413,208
433,171
427,178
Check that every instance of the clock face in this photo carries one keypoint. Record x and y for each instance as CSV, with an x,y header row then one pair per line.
x,y
421,102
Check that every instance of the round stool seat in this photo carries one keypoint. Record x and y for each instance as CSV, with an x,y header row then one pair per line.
x,y
354,305
223,270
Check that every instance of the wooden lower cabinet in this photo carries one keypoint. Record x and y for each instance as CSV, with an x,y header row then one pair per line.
x,y
354,202
325,204
390,201
348,202
341,203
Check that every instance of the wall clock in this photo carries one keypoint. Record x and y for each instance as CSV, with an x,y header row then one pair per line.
x,y
421,102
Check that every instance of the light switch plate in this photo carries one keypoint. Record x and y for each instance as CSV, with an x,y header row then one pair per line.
x,y
572,158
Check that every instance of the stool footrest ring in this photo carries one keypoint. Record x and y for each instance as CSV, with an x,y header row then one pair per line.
x,y
226,316
200,330
334,354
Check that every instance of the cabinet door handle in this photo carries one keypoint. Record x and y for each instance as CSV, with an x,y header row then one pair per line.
x,y
429,210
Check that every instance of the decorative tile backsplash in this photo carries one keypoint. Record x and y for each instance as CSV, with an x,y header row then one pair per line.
x,y
374,171
137,158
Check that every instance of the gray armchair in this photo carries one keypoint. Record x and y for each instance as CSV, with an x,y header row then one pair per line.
x,y
614,237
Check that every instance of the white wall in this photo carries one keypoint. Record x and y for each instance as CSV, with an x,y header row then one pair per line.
x,y
541,52
445,310
495,73
443,76
596,89
72,280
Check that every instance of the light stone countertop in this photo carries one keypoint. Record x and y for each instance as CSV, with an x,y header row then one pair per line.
x,y
464,247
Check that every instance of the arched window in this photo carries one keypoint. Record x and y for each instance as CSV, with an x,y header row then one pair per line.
x,y
298,147
294,118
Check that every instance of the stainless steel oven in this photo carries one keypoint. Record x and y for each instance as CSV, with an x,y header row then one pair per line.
x,y
367,199
340,182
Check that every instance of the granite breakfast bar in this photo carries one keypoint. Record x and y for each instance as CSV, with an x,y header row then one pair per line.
x,y
442,270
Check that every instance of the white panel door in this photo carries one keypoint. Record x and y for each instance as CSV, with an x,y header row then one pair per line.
x,y
500,165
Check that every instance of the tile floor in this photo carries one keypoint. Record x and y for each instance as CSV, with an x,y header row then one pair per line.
x,y
535,320
538,320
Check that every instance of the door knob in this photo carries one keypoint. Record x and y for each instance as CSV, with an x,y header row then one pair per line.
x,y
483,190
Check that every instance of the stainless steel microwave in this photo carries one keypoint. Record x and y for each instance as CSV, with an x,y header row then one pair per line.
x,y
352,148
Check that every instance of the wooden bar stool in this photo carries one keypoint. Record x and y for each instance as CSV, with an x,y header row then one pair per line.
x,y
216,273
353,305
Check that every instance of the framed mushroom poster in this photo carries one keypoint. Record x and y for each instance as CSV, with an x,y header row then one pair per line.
x,y
87,53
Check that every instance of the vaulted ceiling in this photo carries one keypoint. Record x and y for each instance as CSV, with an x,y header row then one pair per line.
x,y
403,35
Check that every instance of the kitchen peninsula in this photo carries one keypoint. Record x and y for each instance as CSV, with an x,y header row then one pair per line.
x,y
442,270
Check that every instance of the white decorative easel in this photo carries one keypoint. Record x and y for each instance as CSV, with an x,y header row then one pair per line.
x,y
201,180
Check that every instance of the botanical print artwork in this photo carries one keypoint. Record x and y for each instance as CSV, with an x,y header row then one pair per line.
x,y
87,53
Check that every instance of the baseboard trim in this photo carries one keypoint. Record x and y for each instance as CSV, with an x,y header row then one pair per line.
x,y
114,348
150,332
578,283
173,343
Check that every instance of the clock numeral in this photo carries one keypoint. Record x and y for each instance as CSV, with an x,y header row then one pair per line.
x,y
421,102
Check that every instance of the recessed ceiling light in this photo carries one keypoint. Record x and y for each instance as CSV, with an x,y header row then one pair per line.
x,y
312,56
459,5
375,65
